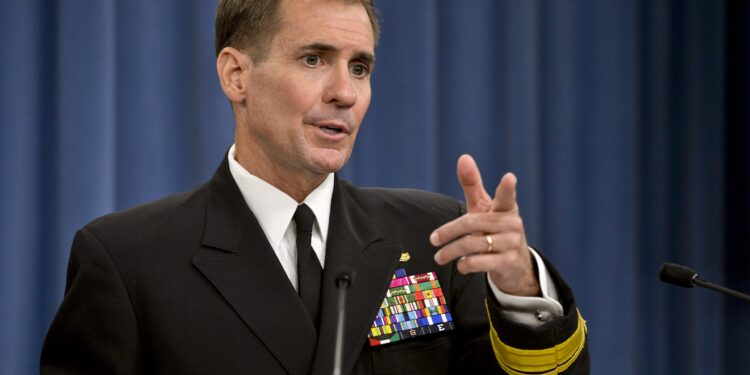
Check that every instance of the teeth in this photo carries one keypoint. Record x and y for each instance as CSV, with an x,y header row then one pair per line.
x,y
331,130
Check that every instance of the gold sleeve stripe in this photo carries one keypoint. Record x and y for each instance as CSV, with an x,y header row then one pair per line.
x,y
549,361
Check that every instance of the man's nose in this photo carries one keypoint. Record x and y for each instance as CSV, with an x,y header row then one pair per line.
x,y
340,89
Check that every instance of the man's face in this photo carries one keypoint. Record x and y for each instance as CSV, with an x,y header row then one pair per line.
x,y
305,102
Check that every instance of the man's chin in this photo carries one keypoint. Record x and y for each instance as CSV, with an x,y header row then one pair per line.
x,y
330,161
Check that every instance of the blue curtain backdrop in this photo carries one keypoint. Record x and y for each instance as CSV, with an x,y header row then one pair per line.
x,y
625,121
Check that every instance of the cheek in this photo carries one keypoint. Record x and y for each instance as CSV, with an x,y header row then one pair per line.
x,y
363,103
298,94
286,94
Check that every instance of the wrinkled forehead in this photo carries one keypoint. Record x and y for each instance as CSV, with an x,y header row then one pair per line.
x,y
344,24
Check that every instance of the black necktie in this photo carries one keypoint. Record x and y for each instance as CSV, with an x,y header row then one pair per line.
x,y
309,271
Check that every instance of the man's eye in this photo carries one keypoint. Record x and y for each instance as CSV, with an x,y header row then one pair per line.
x,y
311,60
359,70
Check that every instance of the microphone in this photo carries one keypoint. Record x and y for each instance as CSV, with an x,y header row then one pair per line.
x,y
687,278
343,281
677,275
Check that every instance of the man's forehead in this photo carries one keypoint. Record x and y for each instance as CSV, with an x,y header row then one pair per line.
x,y
336,27
335,22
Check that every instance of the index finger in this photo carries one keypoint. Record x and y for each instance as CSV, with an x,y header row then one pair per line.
x,y
477,199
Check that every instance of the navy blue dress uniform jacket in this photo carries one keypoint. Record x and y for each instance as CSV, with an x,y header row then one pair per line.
x,y
190,285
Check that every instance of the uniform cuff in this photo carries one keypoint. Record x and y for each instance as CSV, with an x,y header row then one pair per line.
x,y
531,311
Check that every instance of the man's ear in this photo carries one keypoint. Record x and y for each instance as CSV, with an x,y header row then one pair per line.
x,y
232,66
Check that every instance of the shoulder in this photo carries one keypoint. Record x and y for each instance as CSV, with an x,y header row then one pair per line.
x,y
410,203
174,215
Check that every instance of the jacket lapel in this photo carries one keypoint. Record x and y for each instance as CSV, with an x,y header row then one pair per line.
x,y
244,269
355,245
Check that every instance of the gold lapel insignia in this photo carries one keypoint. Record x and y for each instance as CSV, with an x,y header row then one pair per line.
x,y
404,257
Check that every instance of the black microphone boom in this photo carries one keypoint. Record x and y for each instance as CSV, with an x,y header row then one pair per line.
x,y
686,277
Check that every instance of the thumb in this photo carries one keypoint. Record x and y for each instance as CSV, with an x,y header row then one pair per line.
x,y
505,194
477,199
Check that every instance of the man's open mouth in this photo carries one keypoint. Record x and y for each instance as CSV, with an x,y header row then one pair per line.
x,y
331,129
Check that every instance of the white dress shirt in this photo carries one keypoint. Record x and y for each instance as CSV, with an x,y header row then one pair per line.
x,y
274,210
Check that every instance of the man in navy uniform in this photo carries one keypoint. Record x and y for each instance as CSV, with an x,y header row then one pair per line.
x,y
238,276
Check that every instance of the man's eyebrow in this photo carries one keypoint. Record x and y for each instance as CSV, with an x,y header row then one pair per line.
x,y
366,57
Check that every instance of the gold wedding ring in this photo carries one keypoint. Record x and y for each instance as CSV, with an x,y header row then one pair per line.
x,y
489,243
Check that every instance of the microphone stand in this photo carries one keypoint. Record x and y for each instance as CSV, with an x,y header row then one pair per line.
x,y
342,283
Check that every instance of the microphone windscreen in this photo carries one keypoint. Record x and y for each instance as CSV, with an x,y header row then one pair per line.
x,y
677,275
345,276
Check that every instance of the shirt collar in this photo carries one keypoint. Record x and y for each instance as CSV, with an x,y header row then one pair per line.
x,y
273,208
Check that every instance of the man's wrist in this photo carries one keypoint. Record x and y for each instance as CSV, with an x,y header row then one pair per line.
x,y
532,311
